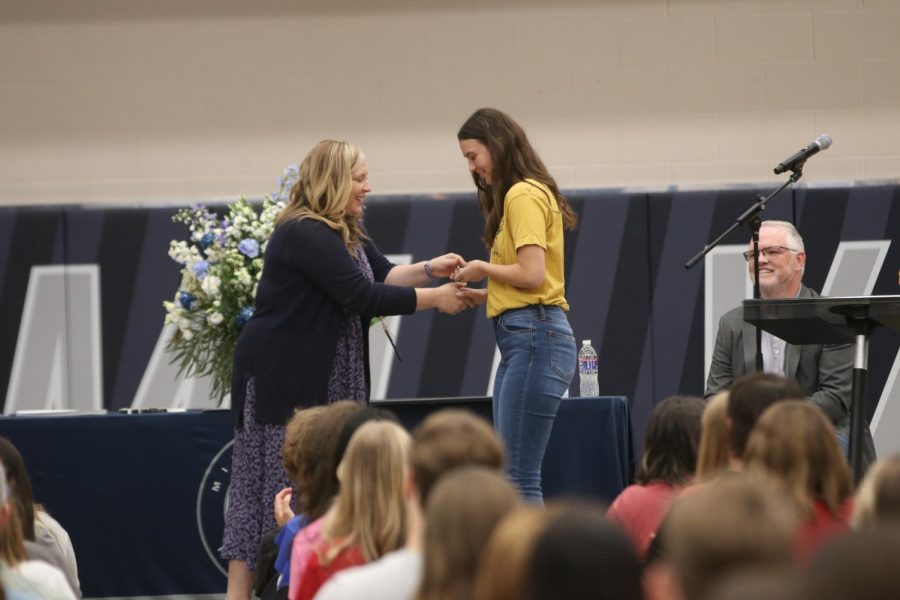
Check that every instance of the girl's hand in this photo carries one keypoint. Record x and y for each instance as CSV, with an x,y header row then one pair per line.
x,y
473,295
446,265
473,271
283,512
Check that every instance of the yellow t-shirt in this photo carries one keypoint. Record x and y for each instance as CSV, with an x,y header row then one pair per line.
x,y
530,216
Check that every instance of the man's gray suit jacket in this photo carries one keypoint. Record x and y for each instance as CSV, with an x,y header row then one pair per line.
x,y
825,372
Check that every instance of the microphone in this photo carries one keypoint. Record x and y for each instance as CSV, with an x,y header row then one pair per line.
x,y
796,161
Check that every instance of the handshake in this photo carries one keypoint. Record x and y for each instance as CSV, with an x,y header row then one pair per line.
x,y
455,296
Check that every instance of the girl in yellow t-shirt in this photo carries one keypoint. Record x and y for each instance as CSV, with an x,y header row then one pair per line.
x,y
524,216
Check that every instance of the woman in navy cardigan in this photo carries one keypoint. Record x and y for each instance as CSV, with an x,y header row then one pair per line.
x,y
323,281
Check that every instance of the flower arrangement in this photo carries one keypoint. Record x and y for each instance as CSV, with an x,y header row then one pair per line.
x,y
221,266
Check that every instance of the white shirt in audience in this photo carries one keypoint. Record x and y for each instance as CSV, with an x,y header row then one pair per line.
x,y
395,576
49,532
37,578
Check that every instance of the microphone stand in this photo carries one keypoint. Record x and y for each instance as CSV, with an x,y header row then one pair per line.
x,y
750,218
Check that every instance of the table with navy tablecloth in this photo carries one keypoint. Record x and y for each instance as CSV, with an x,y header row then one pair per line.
x,y
143,495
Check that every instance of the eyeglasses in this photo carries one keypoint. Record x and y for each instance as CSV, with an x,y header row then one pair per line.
x,y
770,252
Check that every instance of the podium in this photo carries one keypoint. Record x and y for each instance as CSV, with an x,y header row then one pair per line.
x,y
835,320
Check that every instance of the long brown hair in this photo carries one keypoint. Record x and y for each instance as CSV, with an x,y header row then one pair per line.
x,y
463,510
323,189
671,441
317,459
795,442
12,543
514,161
19,484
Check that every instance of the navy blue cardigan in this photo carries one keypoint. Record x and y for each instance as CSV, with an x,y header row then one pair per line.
x,y
288,345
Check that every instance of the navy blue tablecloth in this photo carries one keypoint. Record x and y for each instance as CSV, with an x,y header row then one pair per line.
x,y
591,450
143,496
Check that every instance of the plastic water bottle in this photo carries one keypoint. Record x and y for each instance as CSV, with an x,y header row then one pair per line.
x,y
587,370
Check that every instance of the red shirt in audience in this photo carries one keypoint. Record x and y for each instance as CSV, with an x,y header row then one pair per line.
x,y
813,533
315,574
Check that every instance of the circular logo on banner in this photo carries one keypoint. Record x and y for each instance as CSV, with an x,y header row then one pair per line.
x,y
212,502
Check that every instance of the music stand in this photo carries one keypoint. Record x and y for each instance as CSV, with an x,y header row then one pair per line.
x,y
835,320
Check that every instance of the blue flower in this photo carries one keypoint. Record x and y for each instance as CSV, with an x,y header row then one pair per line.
x,y
200,269
249,248
185,299
243,316
207,240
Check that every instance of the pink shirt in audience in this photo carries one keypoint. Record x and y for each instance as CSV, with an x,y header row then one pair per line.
x,y
304,542
640,509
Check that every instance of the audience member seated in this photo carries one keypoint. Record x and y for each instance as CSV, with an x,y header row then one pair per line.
x,y
670,458
368,518
462,512
712,458
44,538
725,526
794,443
443,442
579,555
504,563
307,538
861,565
878,497
768,583
748,397
19,576
308,456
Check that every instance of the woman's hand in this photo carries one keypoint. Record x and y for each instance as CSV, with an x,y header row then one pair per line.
x,y
446,265
443,298
474,271
449,302
473,295
283,512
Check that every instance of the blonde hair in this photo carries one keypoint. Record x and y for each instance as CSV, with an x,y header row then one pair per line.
x,y
370,510
464,509
712,458
794,442
323,189
505,559
867,512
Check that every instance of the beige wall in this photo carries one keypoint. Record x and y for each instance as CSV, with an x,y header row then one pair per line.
x,y
176,100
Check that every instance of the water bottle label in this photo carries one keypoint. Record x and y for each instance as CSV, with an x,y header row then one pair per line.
x,y
587,364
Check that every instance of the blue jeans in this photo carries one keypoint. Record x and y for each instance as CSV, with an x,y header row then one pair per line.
x,y
537,361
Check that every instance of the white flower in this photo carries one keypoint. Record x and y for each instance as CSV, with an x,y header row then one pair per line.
x,y
218,282
244,278
211,285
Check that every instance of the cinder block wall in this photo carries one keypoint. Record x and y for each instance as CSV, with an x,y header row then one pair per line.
x,y
172,101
